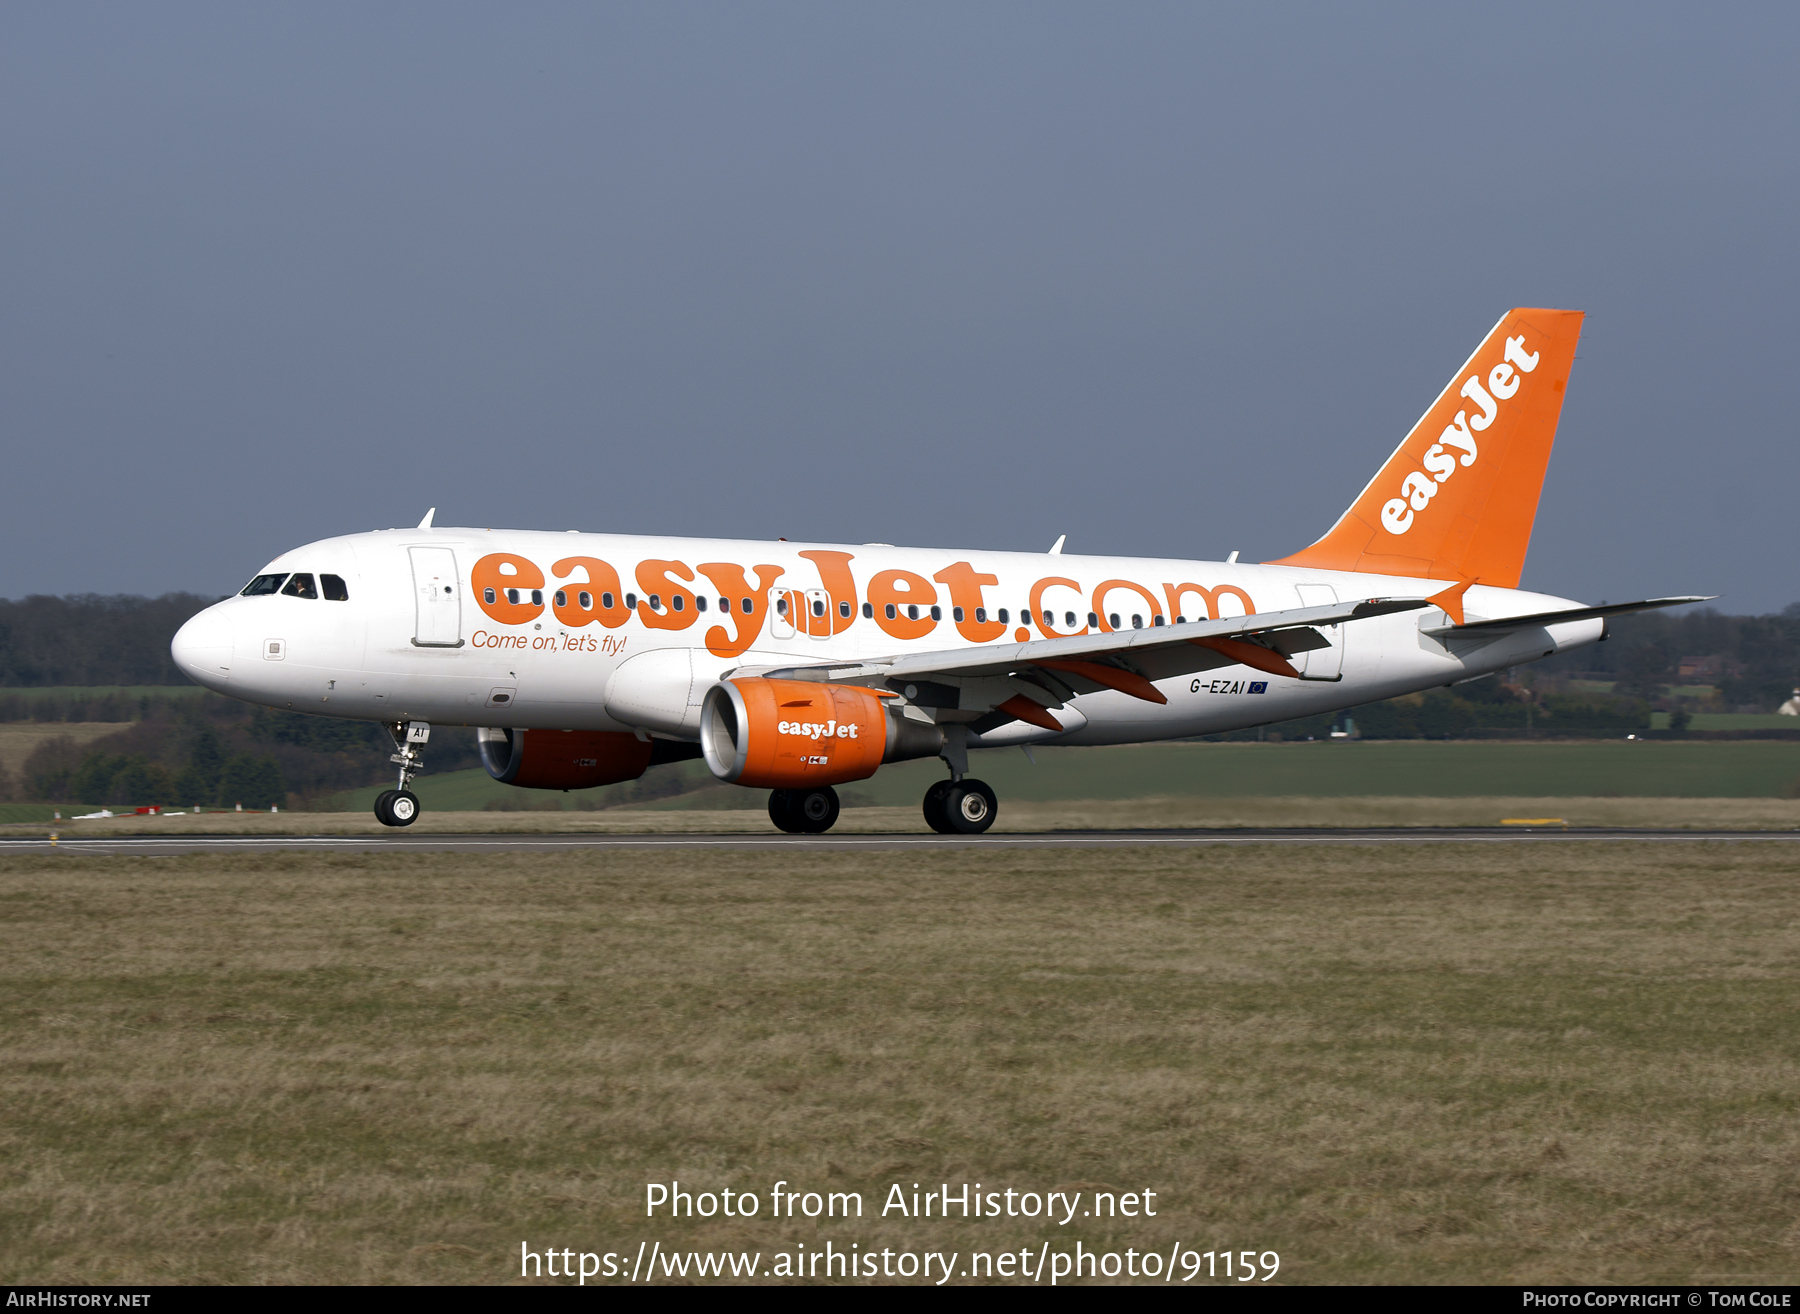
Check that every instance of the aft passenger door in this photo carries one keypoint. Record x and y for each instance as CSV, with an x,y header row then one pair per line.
x,y
437,598
1321,663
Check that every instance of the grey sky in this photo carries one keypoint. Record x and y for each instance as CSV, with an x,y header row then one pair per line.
x,y
1172,280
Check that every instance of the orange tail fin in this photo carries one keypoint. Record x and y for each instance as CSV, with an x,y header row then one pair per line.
x,y
1457,497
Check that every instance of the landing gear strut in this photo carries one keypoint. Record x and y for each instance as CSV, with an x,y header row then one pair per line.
x,y
804,811
959,805
400,807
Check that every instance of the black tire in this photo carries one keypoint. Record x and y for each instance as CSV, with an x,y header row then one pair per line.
x,y
781,811
815,810
382,802
403,808
970,807
935,816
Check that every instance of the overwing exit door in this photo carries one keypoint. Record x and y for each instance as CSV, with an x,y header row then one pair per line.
x,y
437,598
1322,663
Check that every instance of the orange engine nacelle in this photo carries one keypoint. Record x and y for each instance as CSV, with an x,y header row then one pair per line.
x,y
562,759
789,734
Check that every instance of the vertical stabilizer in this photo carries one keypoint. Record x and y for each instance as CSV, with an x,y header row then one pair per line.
x,y
1457,497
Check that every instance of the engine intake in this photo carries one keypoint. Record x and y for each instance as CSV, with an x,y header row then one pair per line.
x,y
789,734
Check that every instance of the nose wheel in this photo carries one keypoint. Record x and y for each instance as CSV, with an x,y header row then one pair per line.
x,y
960,807
804,811
396,807
400,807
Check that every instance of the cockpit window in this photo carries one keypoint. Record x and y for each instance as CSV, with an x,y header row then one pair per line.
x,y
300,585
262,584
334,588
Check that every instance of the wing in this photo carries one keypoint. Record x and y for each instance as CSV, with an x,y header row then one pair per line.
x,y
1019,680
1503,624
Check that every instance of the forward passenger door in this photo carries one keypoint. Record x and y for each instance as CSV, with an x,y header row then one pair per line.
x,y
437,598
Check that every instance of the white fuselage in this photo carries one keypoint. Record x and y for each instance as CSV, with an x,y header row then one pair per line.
x,y
417,638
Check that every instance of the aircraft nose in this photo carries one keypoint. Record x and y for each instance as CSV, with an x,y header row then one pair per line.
x,y
202,649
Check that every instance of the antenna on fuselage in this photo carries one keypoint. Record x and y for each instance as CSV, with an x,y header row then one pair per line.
x,y
426,522
1056,547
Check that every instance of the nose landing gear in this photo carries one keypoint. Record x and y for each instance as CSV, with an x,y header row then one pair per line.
x,y
400,807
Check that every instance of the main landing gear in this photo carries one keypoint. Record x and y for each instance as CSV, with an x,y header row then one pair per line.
x,y
960,807
400,807
804,811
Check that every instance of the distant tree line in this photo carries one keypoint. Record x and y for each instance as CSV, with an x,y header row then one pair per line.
x,y
90,639
1761,654
217,752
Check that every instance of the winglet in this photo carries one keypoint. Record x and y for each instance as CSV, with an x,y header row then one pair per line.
x,y
426,522
1450,601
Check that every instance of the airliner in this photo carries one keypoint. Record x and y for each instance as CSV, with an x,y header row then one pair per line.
x,y
584,659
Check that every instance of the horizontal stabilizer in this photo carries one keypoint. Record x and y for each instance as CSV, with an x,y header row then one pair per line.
x,y
1558,617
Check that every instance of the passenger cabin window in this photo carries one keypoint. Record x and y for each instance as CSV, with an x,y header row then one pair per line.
x,y
888,611
956,614
699,604
487,595
512,596
844,610
301,585
263,584
1093,621
980,615
1069,619
937,613
818,606
749,606
868,611
1049,618
1004,618
585,600
1113,620
606,601
781,606
1137,622
631,602
678,602
562,599
537,597
334,588
912,611
725,605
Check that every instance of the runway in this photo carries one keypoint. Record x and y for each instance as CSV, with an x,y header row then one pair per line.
x,y
158,846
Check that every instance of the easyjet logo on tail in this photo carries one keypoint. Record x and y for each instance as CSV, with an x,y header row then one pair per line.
x,y
1457,442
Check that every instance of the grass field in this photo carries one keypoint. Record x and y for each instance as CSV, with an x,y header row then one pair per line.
x,y
1061,815
1416,768
1551,1063
88,692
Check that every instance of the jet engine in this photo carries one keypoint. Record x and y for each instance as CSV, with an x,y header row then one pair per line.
x,y
565,759
795,734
